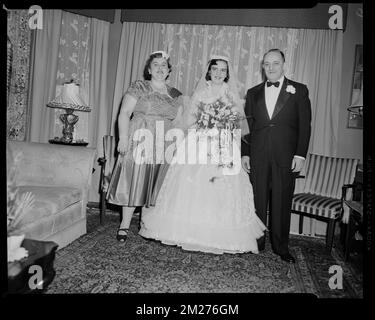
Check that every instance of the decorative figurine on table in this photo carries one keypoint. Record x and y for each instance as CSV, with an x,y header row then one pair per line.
x,y
69,120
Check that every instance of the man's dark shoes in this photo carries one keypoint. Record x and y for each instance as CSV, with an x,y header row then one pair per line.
x,y
287,257
122,234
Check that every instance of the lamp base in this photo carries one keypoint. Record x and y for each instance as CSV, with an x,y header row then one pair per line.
x,y
69,120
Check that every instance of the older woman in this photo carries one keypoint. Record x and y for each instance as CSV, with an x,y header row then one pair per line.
x,y
145,103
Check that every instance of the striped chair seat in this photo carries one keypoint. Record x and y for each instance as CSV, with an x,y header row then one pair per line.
x,y
319,193
317,205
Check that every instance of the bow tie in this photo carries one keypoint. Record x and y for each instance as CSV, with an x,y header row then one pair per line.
x,y
276,84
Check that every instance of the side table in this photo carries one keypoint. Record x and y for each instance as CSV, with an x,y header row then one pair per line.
x,y
55,141
42,254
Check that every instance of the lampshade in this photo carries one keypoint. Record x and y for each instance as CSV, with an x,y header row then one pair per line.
x,y
69,98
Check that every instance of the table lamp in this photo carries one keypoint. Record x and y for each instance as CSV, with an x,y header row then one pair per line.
x,y
70,100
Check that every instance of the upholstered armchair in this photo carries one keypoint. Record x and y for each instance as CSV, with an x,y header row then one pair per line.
x,y
59,178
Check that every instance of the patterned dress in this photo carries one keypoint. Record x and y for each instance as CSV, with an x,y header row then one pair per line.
x,y
134,183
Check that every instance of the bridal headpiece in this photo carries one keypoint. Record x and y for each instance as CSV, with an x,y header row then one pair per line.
x,y
217,57
163,54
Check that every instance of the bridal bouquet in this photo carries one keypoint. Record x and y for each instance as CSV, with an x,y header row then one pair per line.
x,y
218,114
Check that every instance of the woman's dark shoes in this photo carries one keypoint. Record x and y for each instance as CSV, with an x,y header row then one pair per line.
x,y
122,234
287,257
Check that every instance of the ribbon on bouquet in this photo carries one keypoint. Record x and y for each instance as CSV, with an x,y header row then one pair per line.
x,y
226,145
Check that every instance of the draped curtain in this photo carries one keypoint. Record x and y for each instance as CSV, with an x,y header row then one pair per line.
x,y
138,40
43,77
318,64
98,96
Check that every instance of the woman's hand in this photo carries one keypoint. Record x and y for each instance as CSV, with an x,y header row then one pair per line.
x,y
122,146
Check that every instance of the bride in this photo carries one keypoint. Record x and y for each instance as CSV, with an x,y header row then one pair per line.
x,y
199,207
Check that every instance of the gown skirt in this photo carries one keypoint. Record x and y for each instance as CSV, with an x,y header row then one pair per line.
x,y
199,208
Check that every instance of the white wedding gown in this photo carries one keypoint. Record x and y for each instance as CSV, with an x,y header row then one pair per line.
x,y
201,209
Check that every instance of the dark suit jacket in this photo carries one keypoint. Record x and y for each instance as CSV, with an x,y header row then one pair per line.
x,y
287,132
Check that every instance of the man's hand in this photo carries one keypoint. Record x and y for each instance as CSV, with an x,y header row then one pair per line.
x,y
245,161
297,164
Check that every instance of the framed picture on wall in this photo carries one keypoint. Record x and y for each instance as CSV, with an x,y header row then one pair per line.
x,y
355,116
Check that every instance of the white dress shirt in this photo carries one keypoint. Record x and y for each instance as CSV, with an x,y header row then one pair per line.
x,y
272,93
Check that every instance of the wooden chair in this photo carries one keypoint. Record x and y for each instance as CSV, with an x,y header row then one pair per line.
x,y
352,221
107,163
318,194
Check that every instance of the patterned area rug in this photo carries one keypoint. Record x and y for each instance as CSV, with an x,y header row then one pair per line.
x,y
98,263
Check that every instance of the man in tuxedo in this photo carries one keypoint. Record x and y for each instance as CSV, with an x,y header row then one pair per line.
x,y
279,117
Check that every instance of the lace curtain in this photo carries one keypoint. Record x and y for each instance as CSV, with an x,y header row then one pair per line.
x,y
191,45
19,43
73,63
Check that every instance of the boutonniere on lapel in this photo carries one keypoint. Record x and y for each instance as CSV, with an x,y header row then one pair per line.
x,y
290,89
